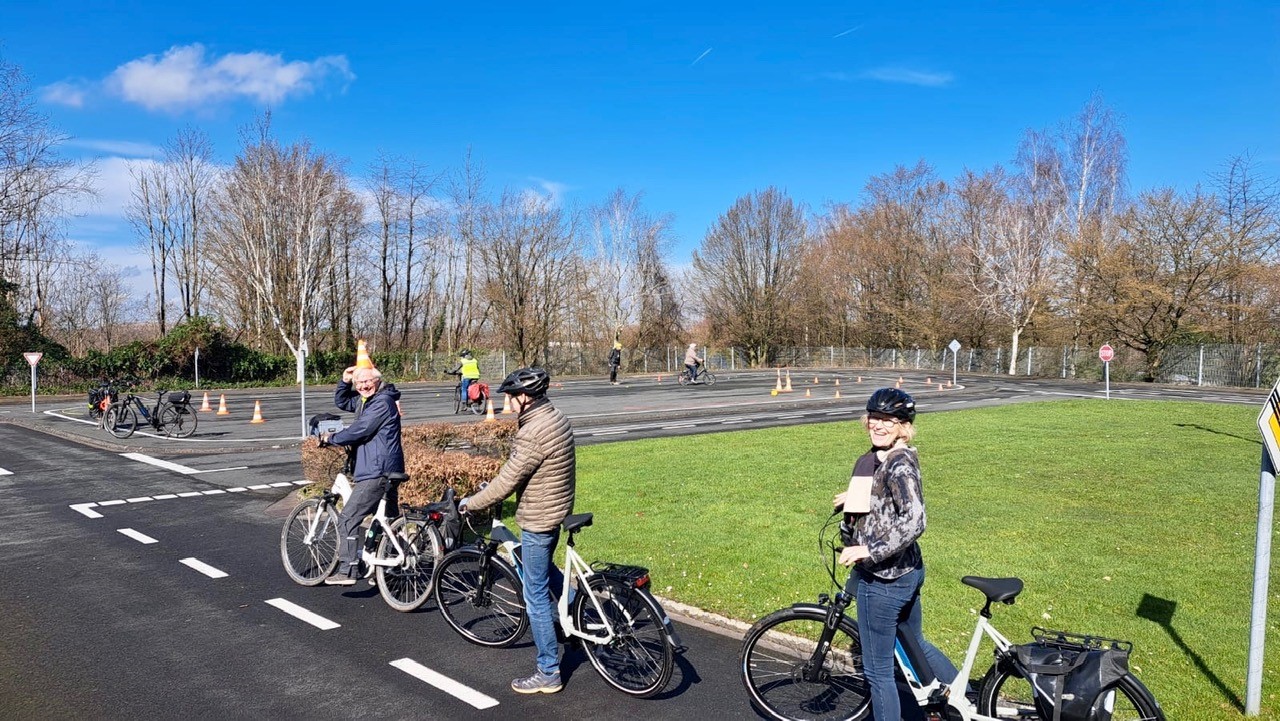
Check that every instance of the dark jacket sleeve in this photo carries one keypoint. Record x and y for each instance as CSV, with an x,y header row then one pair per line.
x,y
376,412
346,397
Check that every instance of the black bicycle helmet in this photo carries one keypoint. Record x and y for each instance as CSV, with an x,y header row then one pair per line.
x,y
892,402
532,382
466,353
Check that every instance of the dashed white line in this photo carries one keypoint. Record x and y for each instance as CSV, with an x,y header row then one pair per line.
x,y
117,502
142,458
282,484
681,425
203,567
4,472
83,509
303,614
164,497
190,494
139,499
137,536
607,433
238,489
787,418
213,492
259,487
735,420
444,683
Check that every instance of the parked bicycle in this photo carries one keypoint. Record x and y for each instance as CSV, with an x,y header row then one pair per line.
x,y
476,405
100,398
701,377
628,638
399,553
171,414
805,662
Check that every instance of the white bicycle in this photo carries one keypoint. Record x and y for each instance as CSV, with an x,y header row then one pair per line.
x,y
805,662
401,553
628,638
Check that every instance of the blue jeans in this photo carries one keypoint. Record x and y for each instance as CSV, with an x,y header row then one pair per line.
x,y
466,384
884,609
542,583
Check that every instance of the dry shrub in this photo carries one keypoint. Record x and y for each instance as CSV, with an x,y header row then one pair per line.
x,y
428,459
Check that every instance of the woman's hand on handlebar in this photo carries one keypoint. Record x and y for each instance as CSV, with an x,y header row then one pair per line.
x,y
852,554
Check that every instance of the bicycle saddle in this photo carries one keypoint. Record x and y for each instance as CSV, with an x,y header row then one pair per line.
x,y
1003,590
577,521
397,478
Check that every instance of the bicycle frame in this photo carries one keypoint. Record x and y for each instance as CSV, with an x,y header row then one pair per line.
x,y
574,567
342,489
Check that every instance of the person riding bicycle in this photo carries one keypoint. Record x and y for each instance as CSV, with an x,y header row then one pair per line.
x,y
469,368
374,436
542,472
692,361
881,538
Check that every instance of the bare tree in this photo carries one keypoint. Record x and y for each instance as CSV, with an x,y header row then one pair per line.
x,y
1249,205
463,311
188,159
404,225
154,211
746,273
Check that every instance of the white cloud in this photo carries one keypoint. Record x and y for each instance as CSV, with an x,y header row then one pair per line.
x,y
128,148
551,193
185,78
113,185
908,76
70,93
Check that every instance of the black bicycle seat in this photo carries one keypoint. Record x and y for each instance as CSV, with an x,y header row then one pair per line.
x,y
576,521
1003,590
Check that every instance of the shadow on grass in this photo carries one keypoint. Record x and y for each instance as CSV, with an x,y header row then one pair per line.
x,y
1215,431
1160,611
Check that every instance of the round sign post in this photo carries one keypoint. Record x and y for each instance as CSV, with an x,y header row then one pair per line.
x,y
1105,354
33,358
954,347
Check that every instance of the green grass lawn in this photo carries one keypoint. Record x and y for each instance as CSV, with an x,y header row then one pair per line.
x,y
1096,505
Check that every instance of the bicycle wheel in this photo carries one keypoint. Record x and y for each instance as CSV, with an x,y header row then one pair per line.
x,y
406,586
120,421
178,421
309,563
1005,694
640,658
777,654
683,378
489,610
709,378
477,407
457,400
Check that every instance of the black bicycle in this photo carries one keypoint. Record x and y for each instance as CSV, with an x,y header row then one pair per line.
x,y
171,414
701,377
475,406
102,397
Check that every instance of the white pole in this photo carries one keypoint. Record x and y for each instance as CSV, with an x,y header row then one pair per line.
x,y
1106,373
33,388
302,385
1200,369
1261,569
197,368
953,368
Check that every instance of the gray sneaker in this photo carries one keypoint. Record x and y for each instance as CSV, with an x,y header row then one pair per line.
x,y
340,579
538,683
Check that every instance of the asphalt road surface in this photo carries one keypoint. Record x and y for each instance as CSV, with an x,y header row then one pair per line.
x,y
142,579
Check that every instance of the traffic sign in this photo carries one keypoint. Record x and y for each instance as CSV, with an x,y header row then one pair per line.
x,y
1269,424
954,345
1106,353
33,358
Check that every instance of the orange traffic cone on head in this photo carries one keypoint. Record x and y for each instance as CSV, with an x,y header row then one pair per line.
x,y
362,355
488,416
205,406
257,413
222,405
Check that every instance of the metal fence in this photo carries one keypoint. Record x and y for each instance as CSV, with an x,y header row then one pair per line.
x,y
1205,365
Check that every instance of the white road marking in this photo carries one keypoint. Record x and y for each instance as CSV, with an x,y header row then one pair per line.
x,y
203,567
189,494
213,492
259,487
142,458
83,508
303,614
164,497
444,683
303,482
135,535
681,425
735,420
282,484
139,499
787,418
4,472
112,503
237,489
608,433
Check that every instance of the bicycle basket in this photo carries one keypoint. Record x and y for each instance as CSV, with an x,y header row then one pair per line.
x,y
180,398
629,575
1070,673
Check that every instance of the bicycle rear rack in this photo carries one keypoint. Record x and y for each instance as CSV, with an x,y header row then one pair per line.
x,y
630,575
1078,641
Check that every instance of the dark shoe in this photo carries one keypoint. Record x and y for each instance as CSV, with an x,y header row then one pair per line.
x,y
537,683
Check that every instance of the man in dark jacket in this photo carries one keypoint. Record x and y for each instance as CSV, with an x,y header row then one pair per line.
x,y
542,472
375,438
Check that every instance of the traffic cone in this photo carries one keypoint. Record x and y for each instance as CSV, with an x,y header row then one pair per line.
x,y
788,388
659,377
928,380
939,386
488,416
807,394
815,380
948,384
257,413
778,387
205,406
222,405
362,355
506,404
837,393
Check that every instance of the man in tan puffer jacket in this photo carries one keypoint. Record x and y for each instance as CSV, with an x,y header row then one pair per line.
x,y
541,471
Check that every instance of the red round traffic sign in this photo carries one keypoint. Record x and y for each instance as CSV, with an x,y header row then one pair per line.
x,y
1106,353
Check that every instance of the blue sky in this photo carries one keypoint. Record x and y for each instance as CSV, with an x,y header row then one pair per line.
x,y
695,104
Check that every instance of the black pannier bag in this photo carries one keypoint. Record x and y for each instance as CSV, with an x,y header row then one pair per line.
x,y
180,398
1072,675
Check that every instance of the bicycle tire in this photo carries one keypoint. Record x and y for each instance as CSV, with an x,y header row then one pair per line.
x,y
683,378
485,611
178,421
777,649
120,421
477,407
457,400
309,564
407,586
1006,694
709,378
640,658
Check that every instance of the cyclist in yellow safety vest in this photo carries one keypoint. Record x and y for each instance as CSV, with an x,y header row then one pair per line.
x,y
469,367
